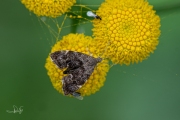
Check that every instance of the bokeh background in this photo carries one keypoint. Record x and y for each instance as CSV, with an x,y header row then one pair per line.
x,y
145,91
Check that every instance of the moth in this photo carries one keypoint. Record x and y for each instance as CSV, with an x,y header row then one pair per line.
x,y
78,67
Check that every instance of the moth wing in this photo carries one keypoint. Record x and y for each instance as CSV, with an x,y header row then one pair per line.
x,y
58,59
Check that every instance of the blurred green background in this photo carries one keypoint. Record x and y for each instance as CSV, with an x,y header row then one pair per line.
x,y
146,91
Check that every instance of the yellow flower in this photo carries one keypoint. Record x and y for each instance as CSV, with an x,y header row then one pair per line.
x,y
129,30
83,44
49,8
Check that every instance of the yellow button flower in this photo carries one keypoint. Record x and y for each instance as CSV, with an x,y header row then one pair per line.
x,y
49,8
83,44
128,31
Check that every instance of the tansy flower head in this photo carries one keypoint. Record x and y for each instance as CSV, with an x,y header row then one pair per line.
x,y
129,30
49,8
83,44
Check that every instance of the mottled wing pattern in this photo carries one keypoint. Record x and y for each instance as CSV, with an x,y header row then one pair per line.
x,y
59,58
79,68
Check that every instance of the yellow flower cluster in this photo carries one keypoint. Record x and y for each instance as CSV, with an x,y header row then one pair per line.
x,y
83,44
49,8
129,30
